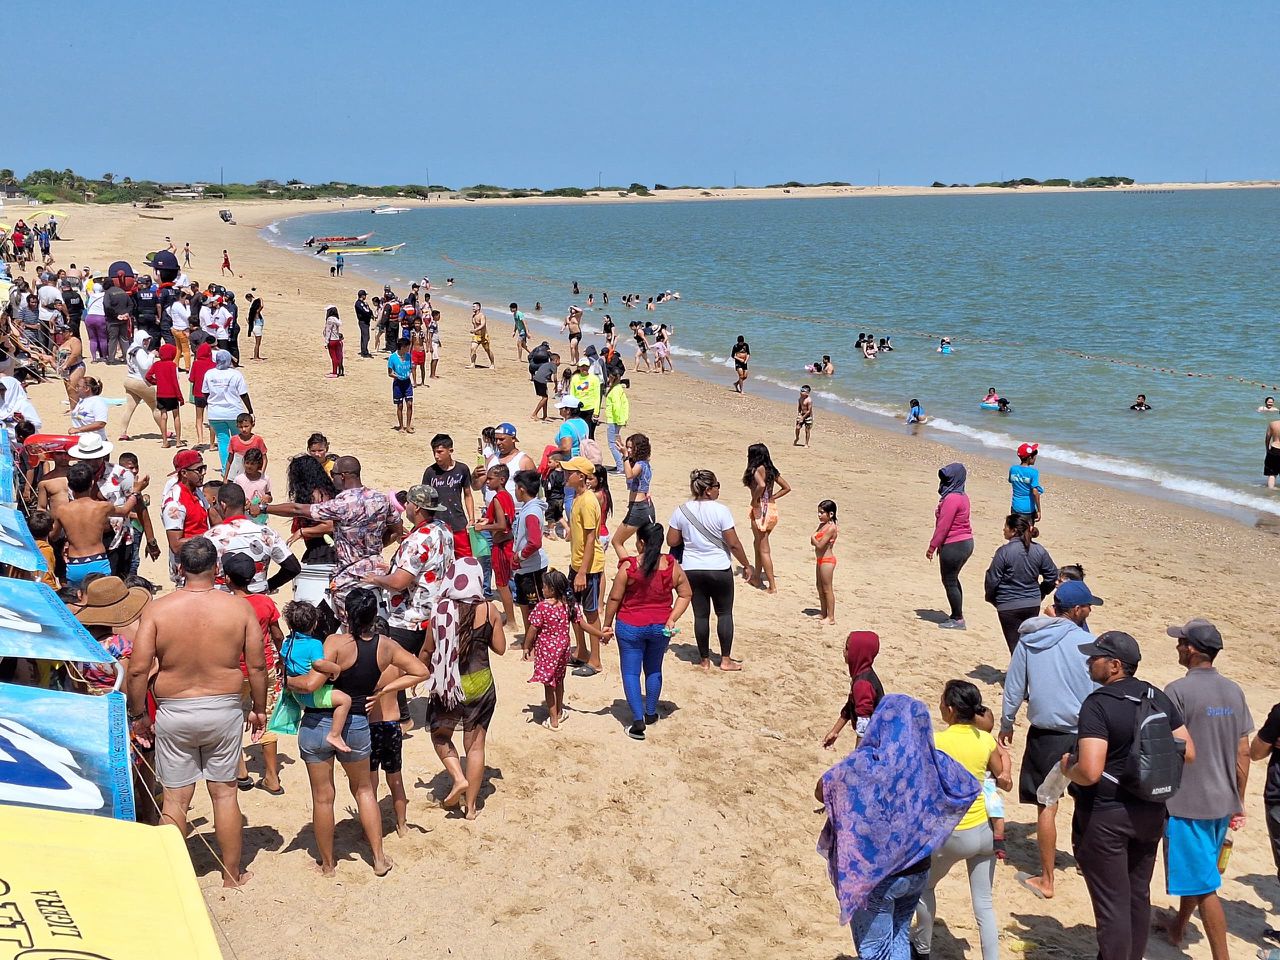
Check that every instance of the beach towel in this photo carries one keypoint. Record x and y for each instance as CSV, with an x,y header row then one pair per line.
x,y
890,803
463,584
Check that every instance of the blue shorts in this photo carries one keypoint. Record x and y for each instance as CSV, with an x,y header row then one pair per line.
x,y
314,748
588,599
80,567
401,390
1191,849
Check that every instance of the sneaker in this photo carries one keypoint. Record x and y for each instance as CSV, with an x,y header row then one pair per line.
x,y
636,730
650,718
950,624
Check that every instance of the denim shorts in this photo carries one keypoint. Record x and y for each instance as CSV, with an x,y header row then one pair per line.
x,y
313,748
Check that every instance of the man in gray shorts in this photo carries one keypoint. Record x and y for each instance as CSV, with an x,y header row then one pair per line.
x,y
198,637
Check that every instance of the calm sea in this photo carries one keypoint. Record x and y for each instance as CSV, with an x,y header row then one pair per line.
x,y
1069,305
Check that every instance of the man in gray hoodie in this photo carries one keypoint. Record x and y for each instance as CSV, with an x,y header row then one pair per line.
x,y
1050,673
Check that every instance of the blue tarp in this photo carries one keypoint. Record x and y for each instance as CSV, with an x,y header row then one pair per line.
x,y
65,751
35,623
7,493
17,545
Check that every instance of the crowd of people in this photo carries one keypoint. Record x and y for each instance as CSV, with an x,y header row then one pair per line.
x,y
402,599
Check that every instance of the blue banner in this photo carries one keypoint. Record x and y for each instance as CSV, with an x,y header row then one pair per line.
x,y
7,492
17,545
65,751
35,623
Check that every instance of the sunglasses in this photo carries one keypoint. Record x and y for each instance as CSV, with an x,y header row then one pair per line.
x,y
199,469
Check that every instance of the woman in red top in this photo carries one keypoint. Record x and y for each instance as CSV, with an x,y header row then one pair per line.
x,y
163,375
952,539
203,364
641,601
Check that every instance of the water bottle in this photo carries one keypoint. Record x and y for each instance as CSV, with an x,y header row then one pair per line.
x,y
1224,855
1054,786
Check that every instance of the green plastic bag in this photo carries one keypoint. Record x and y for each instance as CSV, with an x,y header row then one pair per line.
x,y
479,545
287,716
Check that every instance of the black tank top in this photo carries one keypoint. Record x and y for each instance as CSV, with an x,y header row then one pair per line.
x,y
360,679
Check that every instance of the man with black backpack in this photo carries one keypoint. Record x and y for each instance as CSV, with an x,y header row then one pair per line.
x,y
1212,794
1128,762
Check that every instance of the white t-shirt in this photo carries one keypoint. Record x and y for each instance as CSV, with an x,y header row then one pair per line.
x,y
48,297
179,315
223,389
699,552
90,410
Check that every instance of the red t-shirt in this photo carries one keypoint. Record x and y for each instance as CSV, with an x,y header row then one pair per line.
x,y
255,442
508,511
265,609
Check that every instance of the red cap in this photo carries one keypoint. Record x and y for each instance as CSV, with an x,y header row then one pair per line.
x,y
1027,449
185,459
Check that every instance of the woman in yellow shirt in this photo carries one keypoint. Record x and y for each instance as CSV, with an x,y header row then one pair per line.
x,y
972,841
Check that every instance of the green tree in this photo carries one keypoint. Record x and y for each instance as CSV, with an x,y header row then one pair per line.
x,y
109,178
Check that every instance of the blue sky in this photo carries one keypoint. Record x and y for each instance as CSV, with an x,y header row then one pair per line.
x,y
560,93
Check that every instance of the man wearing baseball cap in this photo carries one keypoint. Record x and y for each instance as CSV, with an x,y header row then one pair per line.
x,y
584,386
586,565
1212,793
1025,480
183,510
509,455
417,573
1115,833
1049,672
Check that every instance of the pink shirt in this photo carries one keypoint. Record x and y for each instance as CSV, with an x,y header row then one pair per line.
x,y
953,521
253,488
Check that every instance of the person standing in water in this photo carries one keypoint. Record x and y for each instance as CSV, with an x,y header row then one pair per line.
x,y
741,353
1271,465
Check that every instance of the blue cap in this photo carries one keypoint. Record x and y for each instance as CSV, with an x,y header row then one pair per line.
x,y
1074,593
507,429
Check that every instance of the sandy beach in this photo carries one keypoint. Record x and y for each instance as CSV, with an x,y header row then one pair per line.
x,y
699,842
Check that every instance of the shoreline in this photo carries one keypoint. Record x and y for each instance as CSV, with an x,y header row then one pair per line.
x,y
715,810
1163,484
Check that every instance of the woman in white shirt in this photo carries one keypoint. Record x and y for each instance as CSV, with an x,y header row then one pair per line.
x,y
15,405
333,340
228,394
703,528
180,323
138,360
89,415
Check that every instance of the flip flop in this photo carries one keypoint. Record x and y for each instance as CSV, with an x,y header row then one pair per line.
x,y
546,725
277,792
585,671
1022,879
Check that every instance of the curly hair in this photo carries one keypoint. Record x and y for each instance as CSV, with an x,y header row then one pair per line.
x,y
305,476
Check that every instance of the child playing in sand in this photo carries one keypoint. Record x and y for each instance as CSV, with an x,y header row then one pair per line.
x,y
824,544
546,642
303,656
865,689
255,484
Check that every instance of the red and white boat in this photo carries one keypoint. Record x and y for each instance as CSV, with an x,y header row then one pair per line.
x,y
332,241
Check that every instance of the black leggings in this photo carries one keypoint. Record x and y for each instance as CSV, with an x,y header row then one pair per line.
x,y
1011,620
951,559
712,587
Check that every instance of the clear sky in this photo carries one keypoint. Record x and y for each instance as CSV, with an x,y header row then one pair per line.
x,y
561,93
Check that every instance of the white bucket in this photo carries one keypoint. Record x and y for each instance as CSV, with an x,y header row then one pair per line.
x,y
312,584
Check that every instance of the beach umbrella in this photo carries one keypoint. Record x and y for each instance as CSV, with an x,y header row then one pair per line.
x,y
65,751
34,623
17,545
86,887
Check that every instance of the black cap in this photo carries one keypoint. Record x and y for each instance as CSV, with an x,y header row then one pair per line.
x,y
1115,645
241,565
1199,633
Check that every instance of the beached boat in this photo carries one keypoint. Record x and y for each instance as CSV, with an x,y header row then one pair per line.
x,y
153,216
385,209
349,241
358,251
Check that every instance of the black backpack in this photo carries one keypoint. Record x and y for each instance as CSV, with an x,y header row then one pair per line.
x,y
1153,771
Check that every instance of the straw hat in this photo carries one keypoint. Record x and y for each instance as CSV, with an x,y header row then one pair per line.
x,y
109,603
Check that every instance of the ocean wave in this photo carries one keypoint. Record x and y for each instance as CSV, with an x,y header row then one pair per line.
x,y
274,227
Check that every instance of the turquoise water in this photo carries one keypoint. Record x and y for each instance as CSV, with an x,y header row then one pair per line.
x,y
1069,305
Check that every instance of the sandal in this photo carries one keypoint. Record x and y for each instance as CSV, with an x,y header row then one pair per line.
x,y
277,792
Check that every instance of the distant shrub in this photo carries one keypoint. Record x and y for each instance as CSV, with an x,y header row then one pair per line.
x,y
639,189
937,183
834,183
659,186
565,192
1058,182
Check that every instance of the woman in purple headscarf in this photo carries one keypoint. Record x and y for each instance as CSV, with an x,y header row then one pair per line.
x,y
890,804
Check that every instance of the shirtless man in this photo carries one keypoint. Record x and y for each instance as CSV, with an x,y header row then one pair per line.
x,y
196,637
1271,466
741,353
51,491
573,323
84,520
804,416
480,334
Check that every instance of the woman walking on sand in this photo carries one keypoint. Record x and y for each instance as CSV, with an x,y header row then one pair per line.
x,y
767,487
465,628
702,531
138,361
333,340
952,539
1021,575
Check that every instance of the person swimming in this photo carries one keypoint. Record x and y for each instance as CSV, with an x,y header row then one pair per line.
x,y
1002,406
1269,406
992,397
944,347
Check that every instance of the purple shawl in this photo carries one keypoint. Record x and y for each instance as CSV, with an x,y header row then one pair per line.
x,y
890,803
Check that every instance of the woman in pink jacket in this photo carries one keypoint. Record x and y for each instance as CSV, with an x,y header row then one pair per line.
x,y
952,539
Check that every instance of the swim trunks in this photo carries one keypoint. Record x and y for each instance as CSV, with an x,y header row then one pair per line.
x,y
386,740
1271,466
575,336
481,338
401,390
417,357
80,567
804,421
198,738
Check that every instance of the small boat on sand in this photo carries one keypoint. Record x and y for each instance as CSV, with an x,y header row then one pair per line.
x,y
360,251
349,241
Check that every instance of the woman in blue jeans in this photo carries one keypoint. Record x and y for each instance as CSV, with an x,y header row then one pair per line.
x,y
643,616
363,655
890,804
